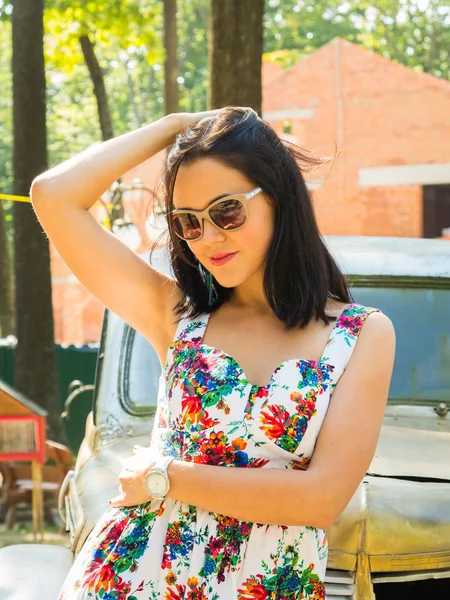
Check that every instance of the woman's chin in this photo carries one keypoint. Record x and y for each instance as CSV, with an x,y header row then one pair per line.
x,y
228,282
233,280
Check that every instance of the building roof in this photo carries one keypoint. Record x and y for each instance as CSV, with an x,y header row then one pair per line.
x,y
270,70
360,65
396,256
21,399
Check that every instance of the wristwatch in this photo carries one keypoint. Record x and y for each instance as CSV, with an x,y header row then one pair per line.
x,y
156,481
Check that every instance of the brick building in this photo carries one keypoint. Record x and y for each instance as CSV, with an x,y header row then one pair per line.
x,y
391,128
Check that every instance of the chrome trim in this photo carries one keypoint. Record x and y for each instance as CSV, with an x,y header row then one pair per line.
x,y
69,524
391,257
339,584
62,494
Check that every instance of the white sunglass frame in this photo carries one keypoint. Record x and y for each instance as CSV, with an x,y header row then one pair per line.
x,y
204,214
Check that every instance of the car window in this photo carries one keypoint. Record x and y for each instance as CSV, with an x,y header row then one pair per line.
x,y
421,319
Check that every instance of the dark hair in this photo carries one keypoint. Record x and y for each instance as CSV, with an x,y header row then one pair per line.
x,y
300,273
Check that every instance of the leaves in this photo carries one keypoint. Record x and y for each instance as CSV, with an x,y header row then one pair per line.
x,y
412,32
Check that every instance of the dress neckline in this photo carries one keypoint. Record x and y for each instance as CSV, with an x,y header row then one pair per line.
x,y
200,344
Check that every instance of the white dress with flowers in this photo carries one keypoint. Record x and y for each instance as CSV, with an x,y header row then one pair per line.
x,y
208,412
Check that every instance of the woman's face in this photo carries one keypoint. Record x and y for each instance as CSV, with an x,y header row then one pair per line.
x,y
196,186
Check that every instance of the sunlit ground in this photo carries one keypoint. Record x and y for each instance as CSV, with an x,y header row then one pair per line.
x,y
22,533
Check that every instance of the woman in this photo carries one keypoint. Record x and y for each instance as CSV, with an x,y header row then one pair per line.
x,y
267,336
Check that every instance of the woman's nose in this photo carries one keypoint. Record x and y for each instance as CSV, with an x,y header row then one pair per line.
x,y
211,234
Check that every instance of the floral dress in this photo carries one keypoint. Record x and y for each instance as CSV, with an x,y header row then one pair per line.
x,y
208,412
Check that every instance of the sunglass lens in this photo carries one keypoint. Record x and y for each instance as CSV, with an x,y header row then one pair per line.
x,y
228,214
187,226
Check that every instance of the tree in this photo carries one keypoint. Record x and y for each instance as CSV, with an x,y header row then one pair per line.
x,y
98,81
35,356
235,53
7,325
126,36
415,33
171,102
99,21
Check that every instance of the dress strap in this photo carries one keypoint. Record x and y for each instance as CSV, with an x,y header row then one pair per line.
x,y
343,338
192,328
188,329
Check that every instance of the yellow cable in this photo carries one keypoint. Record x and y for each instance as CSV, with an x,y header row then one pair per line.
x,y
15,198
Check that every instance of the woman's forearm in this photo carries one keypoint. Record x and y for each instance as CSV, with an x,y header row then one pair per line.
x,y
82,179
270,496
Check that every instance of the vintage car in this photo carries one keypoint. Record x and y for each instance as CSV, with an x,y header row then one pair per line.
x,y
393,539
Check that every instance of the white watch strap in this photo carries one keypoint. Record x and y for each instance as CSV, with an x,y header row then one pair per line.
x,y
164,462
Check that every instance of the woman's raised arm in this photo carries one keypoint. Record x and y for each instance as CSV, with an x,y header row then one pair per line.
x,y
124,282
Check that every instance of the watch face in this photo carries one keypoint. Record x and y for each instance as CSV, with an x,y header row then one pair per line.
x,y
157,484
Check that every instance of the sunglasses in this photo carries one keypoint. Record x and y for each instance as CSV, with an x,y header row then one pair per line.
x,y
228,213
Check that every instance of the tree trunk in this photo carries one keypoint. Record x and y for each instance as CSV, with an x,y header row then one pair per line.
x,y
98,81
6,281
235,53
104,114
171,100
35,356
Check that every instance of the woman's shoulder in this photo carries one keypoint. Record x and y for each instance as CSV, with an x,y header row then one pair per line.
x,y
360,326
370,322
356,315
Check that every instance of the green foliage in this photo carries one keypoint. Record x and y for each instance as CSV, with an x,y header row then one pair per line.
x,y
297,28
118,24
5,10
415,33
127,41
193,23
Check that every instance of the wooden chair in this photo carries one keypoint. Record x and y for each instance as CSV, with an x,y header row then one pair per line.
x,y
17,483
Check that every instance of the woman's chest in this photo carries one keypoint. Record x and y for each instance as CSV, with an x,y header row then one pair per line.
x,y
209,397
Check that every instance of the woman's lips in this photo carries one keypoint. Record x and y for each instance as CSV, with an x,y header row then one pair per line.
x,y
222,259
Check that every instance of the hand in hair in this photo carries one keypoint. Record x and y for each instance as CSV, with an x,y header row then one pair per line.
x,y
185,120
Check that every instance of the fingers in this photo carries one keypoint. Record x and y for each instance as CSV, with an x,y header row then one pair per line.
x,y
117,501
210,113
